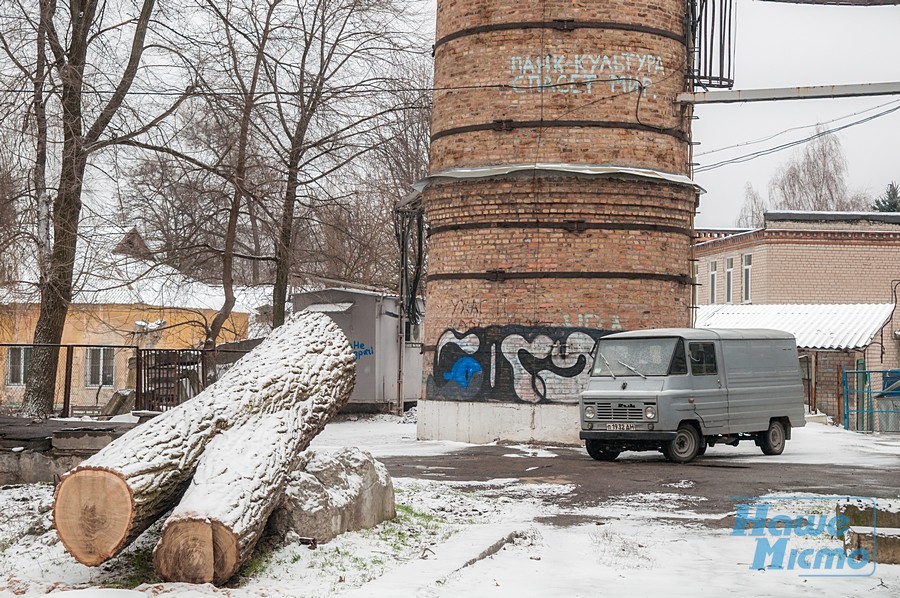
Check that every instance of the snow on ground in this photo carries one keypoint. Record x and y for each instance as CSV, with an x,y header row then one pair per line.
x,y
494,538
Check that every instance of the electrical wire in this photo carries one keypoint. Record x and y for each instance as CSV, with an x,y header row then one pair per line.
x,y
792,129
784,146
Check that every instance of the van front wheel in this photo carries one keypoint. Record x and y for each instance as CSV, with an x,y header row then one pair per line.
x,y
772,441
598,451
684,447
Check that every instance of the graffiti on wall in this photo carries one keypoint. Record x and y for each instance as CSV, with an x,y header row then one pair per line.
x,y
512,363
621,72
361,349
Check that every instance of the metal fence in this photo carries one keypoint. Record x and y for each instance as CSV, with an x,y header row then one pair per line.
x,y
90,377
871,400
87,376
168,377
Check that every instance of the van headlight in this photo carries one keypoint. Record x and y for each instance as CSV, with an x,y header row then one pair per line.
x,y
589,412
650,412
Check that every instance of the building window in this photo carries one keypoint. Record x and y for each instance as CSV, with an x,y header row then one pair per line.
x,y
100,366
17,360
748,277
729,280
712,282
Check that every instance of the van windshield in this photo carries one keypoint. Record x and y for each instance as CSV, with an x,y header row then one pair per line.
x,y
636,357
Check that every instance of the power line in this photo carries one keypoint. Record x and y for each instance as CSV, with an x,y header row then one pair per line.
x,y
792,129
778,148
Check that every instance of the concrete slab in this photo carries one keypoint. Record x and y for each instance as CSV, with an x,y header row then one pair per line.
x,y
883,542
85,438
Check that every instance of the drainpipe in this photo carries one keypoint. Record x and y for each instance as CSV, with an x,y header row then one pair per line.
x,y
400,355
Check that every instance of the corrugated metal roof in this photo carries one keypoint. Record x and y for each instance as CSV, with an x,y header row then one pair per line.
x,y
829,326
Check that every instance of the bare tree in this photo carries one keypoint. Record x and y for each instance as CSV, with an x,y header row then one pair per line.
x,y
357,231
752,213
71,57
325,101
814,180
299,91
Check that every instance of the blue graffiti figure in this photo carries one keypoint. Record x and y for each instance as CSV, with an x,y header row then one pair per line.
x,y
462,371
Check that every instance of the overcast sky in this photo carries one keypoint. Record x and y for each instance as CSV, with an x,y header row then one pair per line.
x,y
785,45
782,45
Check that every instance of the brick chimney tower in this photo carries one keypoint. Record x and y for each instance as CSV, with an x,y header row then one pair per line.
x,y
559,203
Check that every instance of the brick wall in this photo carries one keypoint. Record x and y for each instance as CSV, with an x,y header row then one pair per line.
x,y
593,74
815,262
829,389
574,252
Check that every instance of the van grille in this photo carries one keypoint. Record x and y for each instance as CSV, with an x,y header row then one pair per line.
x,y
611,412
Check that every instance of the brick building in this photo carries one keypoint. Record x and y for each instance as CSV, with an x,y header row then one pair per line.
x,y
559,202
812,258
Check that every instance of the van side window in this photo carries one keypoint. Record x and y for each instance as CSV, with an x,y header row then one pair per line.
x,y
703,358
679,361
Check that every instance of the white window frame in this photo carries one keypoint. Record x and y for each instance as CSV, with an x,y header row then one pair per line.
x,y
16,376
105,373
712,281
747,279
729,280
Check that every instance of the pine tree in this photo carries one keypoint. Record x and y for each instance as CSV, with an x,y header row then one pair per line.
x,y
890,201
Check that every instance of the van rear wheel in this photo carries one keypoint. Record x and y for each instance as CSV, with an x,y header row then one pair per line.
x,y
598,451
773,440
684,447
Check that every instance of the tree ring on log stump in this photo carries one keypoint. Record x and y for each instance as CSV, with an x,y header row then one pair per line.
x,y
196,551
92,514
227,552
191,558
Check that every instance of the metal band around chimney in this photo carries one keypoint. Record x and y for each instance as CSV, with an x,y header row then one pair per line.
x,y
575,226
560,25
509,125
502,275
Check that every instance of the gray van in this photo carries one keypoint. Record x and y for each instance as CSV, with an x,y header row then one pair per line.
x,y
680,390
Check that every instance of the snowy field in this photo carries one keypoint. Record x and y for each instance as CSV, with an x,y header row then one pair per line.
x,y
483,539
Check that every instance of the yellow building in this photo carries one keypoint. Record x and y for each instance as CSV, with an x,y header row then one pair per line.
x,y
123,302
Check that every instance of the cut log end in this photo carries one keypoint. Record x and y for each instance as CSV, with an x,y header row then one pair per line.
x,y
196,551
92,514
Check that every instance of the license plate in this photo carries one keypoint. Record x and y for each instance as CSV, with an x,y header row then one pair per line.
x,y
620,426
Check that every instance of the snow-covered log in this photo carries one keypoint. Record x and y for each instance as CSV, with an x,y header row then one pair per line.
x,y
333,493
107,501
237,484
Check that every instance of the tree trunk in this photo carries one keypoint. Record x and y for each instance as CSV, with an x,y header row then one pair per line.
x,y
56,289
238,483
58,274
108,500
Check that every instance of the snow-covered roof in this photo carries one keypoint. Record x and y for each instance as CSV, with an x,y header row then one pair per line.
x,y
812,215
329,307
826,326
105,277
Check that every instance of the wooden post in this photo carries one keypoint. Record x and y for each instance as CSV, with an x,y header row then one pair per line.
x,y
67,385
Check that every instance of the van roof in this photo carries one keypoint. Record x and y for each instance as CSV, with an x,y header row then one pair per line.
x,y
707,333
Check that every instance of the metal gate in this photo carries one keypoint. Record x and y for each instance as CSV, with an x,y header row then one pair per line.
x,y
168,377
871,400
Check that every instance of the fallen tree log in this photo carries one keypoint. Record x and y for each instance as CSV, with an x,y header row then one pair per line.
x,y
237,484
252,481
107,501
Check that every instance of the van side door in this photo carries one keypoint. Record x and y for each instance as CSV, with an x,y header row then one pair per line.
x,y
708,384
